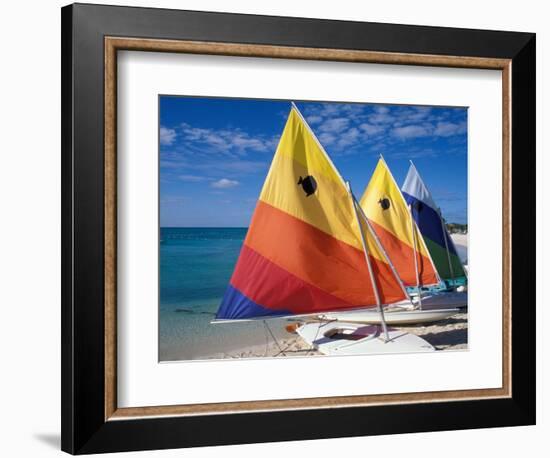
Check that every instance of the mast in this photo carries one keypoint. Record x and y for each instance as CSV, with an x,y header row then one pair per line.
x,y
381,247
413,234
367,259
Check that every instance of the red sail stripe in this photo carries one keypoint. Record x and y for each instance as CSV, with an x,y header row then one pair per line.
x,y
402,257
270,286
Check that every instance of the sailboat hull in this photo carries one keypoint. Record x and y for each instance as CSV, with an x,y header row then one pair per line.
x,y
345,338
441,300
435,307
394,316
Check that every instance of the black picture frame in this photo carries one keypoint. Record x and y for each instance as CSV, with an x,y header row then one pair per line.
x,y
84,427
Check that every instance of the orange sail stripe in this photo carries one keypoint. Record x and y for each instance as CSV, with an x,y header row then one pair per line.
x,y
328,209
303,250
403,258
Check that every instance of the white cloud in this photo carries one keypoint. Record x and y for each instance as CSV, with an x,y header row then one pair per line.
x,y
244,142
224,183
371,129
413,131
334,125
381,118
341,128
326,139
329,109
448,129
381,109
348,138
207,136
316,113
225,140
419,113
314,119
167,136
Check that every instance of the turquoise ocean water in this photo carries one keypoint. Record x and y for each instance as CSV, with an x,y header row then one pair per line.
x,y
196,265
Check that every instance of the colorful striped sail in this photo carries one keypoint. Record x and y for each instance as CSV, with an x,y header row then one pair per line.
x,y
390,218
431,224
303,252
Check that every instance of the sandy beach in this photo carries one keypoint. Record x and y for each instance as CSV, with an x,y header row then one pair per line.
x,y
449,334
461,244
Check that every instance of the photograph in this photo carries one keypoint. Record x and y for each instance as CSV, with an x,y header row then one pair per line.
x,y
292,228
277,217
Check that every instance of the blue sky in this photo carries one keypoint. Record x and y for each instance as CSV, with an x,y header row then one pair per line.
x,y
215,152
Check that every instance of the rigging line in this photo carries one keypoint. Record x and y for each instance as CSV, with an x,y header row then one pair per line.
x,y
312,346
266,340
274,339
324,322
288,350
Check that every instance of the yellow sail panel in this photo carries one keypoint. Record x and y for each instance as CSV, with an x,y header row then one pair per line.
x,y
373,248
328,208
303,183
298,143
385,207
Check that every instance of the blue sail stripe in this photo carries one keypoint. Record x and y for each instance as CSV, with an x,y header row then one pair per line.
x,y
429,222
235,305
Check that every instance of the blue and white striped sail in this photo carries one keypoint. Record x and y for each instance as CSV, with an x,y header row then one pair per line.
x,y
431,224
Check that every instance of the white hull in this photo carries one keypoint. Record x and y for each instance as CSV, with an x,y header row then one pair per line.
x,y
439,300
339,338
393,316
435,307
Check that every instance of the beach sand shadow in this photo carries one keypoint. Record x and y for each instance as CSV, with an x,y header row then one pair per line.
x,y
454,320
450,337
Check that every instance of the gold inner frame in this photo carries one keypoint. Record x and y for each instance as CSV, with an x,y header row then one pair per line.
x,y
114,44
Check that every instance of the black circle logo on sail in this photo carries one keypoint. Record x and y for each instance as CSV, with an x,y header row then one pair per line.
x,y
309,185
384,203
417,206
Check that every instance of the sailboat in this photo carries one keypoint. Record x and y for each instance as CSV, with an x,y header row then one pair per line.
x,y
391,219
308,252
429,220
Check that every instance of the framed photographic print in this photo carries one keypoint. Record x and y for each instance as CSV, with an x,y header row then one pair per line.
x,y
270,222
